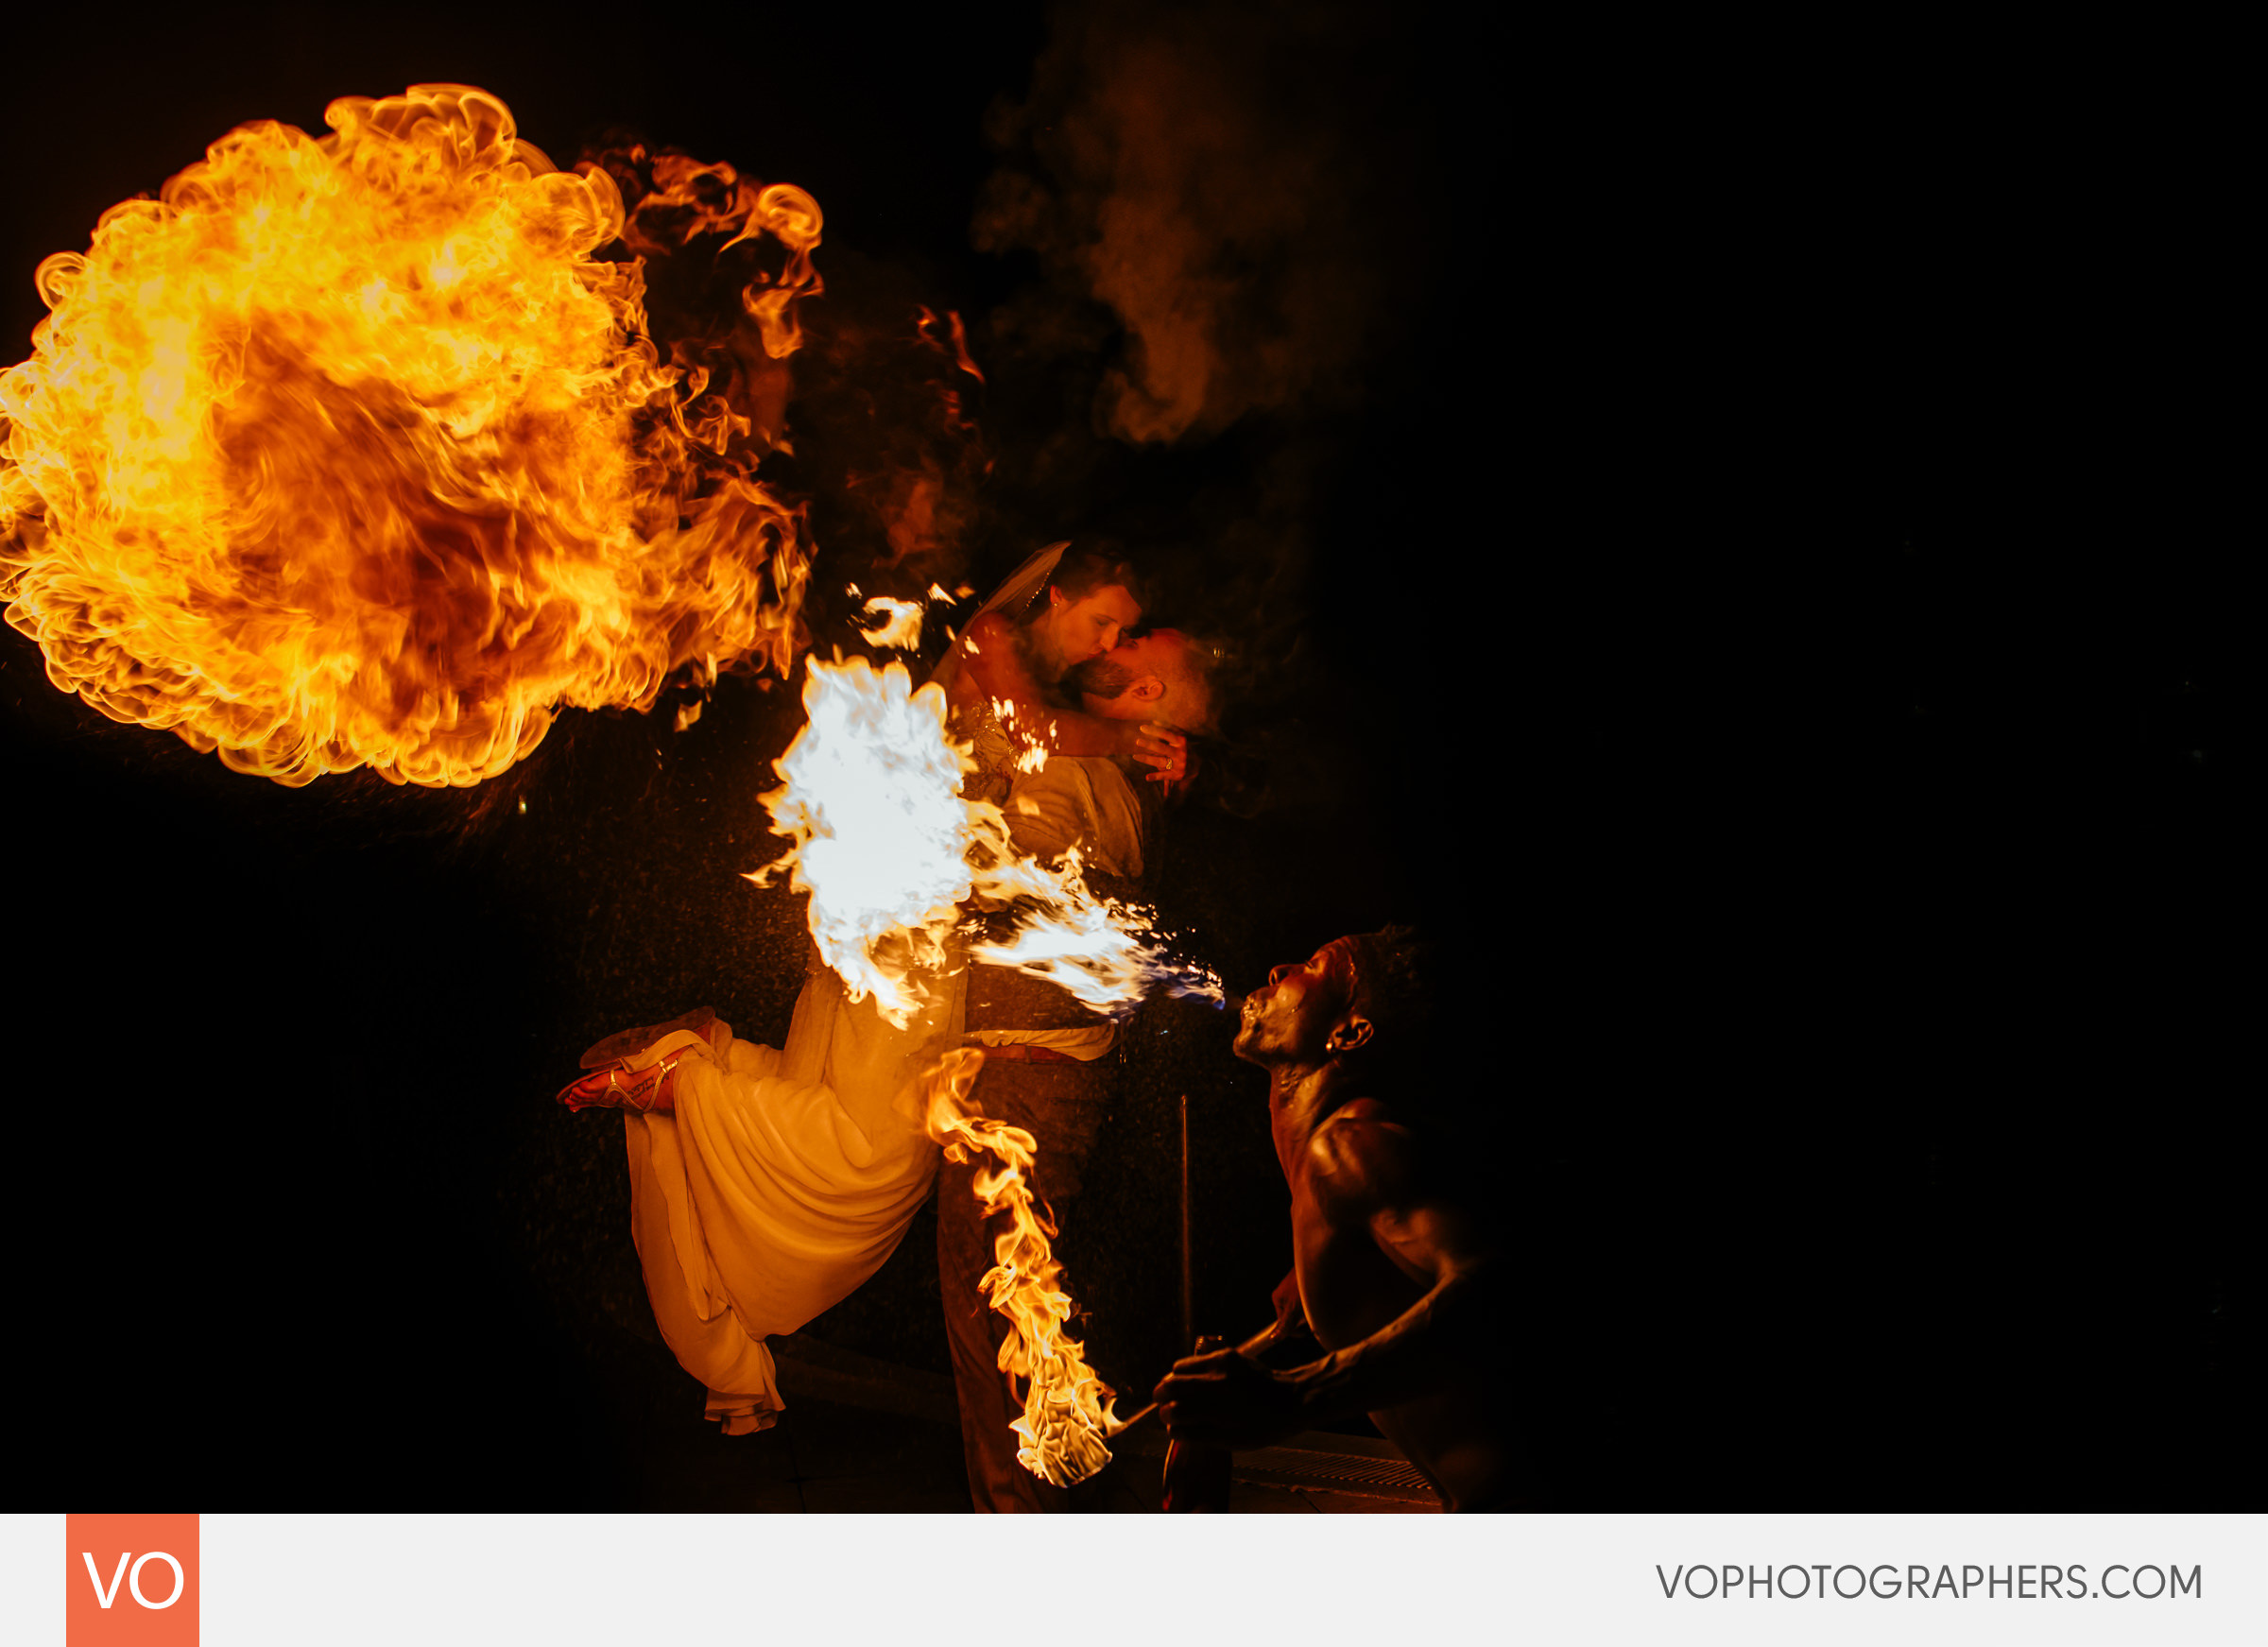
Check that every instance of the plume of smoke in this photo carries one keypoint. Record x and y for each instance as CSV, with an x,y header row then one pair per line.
x,y
1224,180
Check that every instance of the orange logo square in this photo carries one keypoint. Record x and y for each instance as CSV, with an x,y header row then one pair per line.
x,y
129,1581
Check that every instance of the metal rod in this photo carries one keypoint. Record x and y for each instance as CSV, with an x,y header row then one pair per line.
x,y
1120,1426
1189,1251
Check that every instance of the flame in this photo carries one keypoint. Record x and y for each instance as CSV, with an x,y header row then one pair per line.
x,y
897,624
352,451
685,198
1099,949
881,834
925,319
1067,1410
888,850
1032,756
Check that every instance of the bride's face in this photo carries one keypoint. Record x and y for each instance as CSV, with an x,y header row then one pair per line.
x,y
1074,631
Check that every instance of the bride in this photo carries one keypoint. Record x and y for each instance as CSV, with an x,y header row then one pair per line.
x,y
768,1183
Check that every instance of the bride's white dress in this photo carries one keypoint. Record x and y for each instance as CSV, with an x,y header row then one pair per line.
x,y
783,1181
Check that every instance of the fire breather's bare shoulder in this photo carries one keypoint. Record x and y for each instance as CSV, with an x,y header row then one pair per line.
x,y
1359,1161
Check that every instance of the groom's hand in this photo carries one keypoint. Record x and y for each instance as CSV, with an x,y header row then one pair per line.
x,y
1162,747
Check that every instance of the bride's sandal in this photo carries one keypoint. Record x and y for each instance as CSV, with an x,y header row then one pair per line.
x,y
646,1081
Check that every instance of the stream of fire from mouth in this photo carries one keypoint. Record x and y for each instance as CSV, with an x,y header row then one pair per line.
x,y
889,851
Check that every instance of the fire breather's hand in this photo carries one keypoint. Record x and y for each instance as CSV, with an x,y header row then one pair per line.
x,y
1164,749
1229,1399
1287,1341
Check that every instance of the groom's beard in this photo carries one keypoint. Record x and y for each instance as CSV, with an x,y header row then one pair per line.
x,y
1100,678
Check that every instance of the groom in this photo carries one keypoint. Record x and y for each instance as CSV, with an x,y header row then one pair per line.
x,y
1045,1065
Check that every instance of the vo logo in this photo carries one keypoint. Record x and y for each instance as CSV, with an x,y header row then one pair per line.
x,y
130,1580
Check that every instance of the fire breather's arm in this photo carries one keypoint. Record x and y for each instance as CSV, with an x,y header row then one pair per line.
x,y
1361,1171
1232,1398
1288,1340
1411,1356
1282,1343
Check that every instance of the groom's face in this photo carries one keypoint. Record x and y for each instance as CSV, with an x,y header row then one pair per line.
x,y
1145,678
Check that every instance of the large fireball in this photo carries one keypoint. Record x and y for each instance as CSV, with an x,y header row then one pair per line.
x,y
353,451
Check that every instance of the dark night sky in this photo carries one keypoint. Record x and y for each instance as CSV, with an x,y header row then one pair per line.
x,y
1763,616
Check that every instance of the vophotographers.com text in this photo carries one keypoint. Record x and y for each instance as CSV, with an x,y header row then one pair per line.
x,y
1889,1582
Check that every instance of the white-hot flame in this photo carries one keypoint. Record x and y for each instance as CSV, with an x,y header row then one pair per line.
x,y
1098,949
881,834
889,850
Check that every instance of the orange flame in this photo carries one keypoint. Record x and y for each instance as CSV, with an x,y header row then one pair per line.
x,y
1067,1410
351,452
893,624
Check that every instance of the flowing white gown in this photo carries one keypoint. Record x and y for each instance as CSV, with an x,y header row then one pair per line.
x,y
783,1181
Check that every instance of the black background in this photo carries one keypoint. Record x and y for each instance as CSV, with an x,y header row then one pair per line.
x,y
1774,634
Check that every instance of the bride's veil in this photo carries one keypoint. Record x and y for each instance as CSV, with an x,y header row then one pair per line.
x,y
1025,582
1011,597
